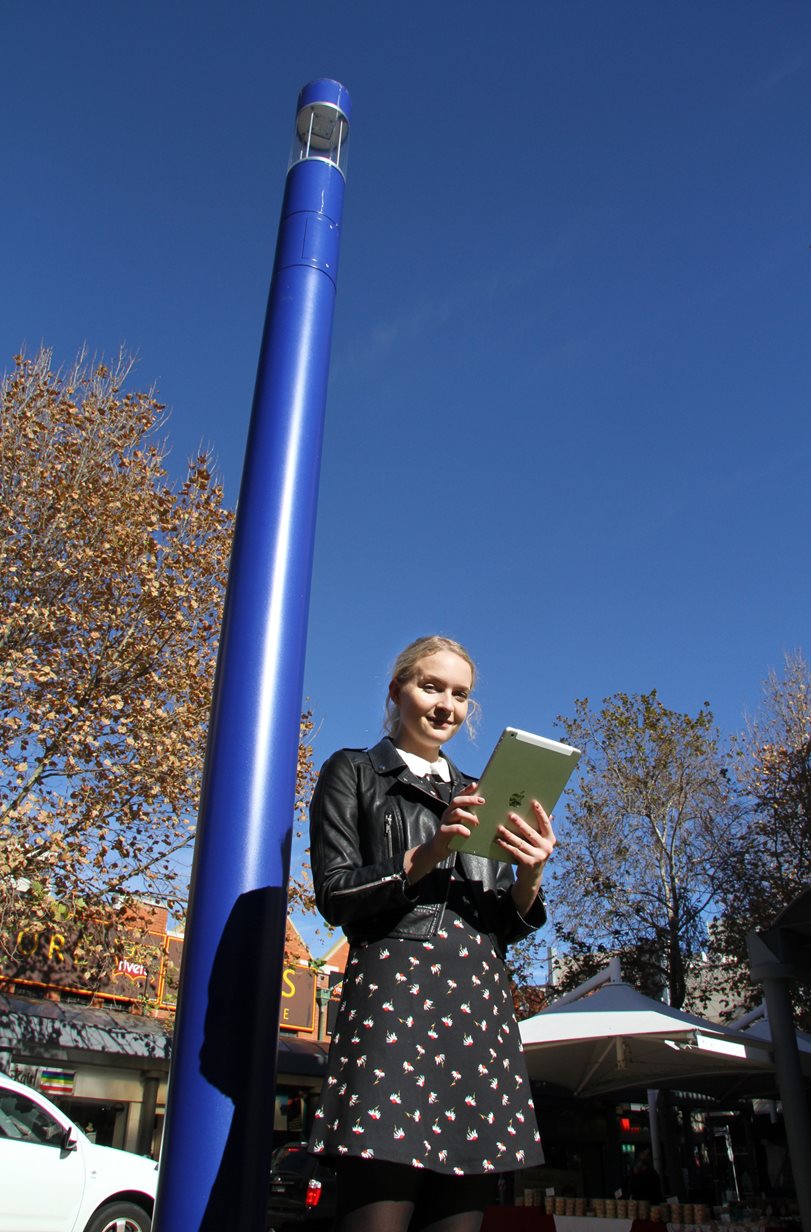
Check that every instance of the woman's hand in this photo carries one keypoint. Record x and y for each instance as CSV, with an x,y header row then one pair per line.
x,y
456,820
528,849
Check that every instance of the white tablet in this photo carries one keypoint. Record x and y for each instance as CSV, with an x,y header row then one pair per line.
x,y
522,768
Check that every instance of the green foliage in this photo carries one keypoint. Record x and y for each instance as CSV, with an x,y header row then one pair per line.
x,y
636,868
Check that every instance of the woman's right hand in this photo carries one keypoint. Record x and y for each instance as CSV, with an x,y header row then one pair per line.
x,y
456,820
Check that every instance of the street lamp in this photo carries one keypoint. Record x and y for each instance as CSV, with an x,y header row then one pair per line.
x,y
218,1133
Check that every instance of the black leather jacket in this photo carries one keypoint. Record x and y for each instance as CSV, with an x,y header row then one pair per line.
x,y
368,809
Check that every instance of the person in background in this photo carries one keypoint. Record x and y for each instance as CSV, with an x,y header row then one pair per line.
x,y
644,1182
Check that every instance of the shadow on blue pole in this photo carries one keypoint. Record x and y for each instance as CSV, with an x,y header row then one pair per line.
x,y
220,1109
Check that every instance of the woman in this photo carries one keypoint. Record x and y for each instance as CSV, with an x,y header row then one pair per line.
x,y
426,1094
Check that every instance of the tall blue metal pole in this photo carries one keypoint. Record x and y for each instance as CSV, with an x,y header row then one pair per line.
x,y
220,1109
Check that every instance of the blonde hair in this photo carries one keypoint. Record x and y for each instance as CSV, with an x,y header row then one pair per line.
x,y
405,666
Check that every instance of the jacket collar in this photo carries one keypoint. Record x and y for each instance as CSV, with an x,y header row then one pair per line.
x,y
386,760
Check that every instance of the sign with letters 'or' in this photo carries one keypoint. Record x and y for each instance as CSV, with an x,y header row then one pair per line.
x,y
144,966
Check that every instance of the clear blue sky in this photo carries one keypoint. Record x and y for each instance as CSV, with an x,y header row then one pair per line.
x,y
568,417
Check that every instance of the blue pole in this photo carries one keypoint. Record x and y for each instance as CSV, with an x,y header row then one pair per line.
x,y
220,1108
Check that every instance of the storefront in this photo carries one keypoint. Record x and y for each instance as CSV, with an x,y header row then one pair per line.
x,y
108,1069
100,1049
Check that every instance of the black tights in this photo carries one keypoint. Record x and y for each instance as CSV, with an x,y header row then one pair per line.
x,y
376,1196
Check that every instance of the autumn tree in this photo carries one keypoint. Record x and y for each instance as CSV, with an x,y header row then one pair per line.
x,y
635,870
769,863
300,892
111,589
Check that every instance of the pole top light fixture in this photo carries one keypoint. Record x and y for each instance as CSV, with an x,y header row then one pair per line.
x,y
322,124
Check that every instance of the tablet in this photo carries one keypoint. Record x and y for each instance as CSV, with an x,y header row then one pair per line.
x,y
522,768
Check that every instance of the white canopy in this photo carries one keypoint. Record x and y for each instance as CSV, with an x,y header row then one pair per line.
x,y
615,1039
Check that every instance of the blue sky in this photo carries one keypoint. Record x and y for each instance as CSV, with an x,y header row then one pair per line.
x,y
568,411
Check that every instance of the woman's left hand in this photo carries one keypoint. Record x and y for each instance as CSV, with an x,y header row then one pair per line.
x,y
528,849
525,845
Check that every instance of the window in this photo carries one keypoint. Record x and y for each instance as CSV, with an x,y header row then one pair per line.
x,y
24,1120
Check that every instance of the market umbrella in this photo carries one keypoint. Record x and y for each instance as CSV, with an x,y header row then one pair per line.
x,y
755,1025
616,1039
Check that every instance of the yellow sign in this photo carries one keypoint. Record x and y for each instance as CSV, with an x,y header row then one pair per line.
x,y
51,959
297,1011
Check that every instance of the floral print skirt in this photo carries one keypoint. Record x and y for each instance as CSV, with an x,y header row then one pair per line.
x,y
426,1067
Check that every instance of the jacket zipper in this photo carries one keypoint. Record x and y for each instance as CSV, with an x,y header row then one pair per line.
x,y
389,820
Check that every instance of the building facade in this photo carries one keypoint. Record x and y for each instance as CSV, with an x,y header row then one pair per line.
x,y
100,1046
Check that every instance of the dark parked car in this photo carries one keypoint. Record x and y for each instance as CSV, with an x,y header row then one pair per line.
x,y
302,1190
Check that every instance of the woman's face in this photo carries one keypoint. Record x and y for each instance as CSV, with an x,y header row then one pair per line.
x,y
433,703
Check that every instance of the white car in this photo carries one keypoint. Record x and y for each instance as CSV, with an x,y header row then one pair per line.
x,y
54,1179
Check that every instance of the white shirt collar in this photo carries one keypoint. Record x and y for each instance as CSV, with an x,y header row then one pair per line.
x,y
419,766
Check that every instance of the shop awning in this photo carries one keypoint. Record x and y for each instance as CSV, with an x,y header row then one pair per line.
x,y
300,1056
35,1028
30,1028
